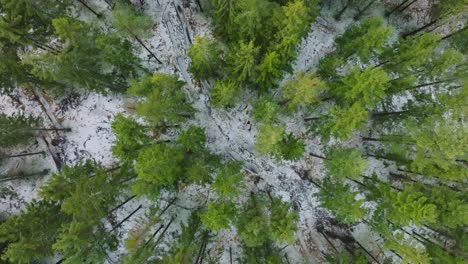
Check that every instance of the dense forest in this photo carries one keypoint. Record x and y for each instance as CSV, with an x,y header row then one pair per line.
x,y
233,131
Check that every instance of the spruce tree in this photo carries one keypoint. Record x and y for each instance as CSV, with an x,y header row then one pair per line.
x,y
166,103
342,163
206,58
304,91
341,201
31,234
366,39
224,93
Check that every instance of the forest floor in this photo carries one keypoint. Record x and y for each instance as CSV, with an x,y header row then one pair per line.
x,y
231,133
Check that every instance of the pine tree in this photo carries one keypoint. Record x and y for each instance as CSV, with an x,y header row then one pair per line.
x,y
75,67
224,94
283,222
166,103
341,201
242,61
404,207
268,139
344,163
131,137
228,180
158,166
367,87
31,234
252,224
219,215
269,71
20,129
342,122
304,91
129,22
366,39
15,130
265,111
411,53
86,193
206,58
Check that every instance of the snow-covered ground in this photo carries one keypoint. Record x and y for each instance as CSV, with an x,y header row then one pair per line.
x,y
231,133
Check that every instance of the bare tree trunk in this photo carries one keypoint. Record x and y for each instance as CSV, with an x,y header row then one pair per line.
x,y
317,156
455,33
122,204
387,14
416,31
126,218
23,155
90,9
359,14
6,179
340,13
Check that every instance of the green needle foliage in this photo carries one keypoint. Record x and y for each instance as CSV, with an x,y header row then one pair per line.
x,y
206,58
303,92
31,234
228,180
166,103
365,39
15,130
219,215
342,163
131,137
224,94
341,201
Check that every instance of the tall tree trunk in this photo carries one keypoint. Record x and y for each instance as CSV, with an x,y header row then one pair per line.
x,y
340,13
12,178
67,129
126,218
163,232
317,156
311,118
23,155
367,252
454,33
387,14
328,241
122,204
416,31
359,14
408,5
378,114
143,45
98,15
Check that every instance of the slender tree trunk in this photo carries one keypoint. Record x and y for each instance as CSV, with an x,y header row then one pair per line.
x,y
329,242
408,5
90,9
23,155
122,204
359,14
455,33
416,31
163,232
317,156
340,13
6,179
230,255
367,252
379,114
428,84
387,14
382,182
154,234
143,45
358,182
52,129
311,118
126,218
